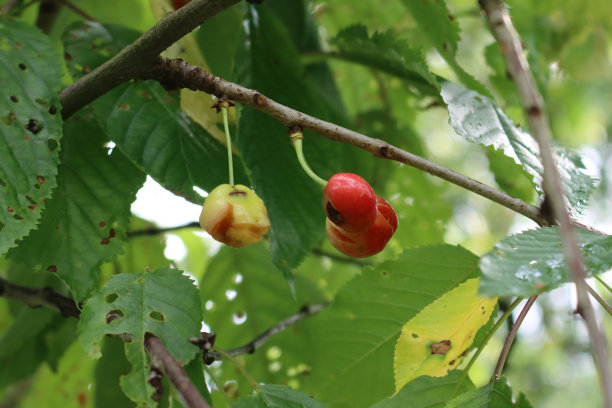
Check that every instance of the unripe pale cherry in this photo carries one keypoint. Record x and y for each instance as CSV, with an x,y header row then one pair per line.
x,y
234,215
349,202
370,241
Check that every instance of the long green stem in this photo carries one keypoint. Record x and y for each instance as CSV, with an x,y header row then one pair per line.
x,y
296,140
228,141
605,285
240,367
485,341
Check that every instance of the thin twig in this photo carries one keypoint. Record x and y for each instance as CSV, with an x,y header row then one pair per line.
x,y
506,348
605,285
179,74
535,109
8,6
599,299
37,297
76,9
156,230
259,341
139,55
163,360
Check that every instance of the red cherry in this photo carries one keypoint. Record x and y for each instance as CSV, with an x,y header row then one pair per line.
x,y
368,242
349,202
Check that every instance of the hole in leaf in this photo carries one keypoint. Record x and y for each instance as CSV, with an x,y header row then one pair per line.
x,y
18,217
157,316
14,99
53,110
237,278
32,126
230,294
52,144
110,298
239,317
22,66
41,101
2,183
114,315
209,304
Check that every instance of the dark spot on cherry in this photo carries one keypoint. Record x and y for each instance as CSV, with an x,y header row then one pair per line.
x,y
334,215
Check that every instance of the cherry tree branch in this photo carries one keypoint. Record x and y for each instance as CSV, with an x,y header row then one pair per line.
x,y
37,297
159,230
535,109
173,73
163,360
139,55
257,342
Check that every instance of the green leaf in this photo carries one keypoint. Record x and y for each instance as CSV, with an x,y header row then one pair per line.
x,y
108,370
147,123
385,52
435,340
278,396
87,218
441,30
355,337
428,392
30,127
164,303
243,296
479,120
534,262
493,395
68,387
293,200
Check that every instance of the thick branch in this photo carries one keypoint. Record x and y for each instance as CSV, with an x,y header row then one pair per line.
x,y
37,297
179,74
139,55
533,104
161,359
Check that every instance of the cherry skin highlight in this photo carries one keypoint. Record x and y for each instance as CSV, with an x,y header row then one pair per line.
x,y
369,242
349,202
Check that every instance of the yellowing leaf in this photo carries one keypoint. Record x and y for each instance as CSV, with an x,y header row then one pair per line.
x,y
434,340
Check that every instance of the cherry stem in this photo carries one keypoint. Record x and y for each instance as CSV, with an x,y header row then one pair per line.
x,y
228,141
296,141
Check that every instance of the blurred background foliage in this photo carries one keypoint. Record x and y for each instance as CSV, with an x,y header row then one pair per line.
x,y
569,44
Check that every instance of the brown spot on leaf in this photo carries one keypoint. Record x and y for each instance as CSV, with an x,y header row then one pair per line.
x,y
18,45
86,69
105,241
440,347
52,268
32,207
40,179
102,224
452,362
111,233
124,107
32,126
10,209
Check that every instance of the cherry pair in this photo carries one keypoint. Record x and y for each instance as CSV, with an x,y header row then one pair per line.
x,y
359,223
